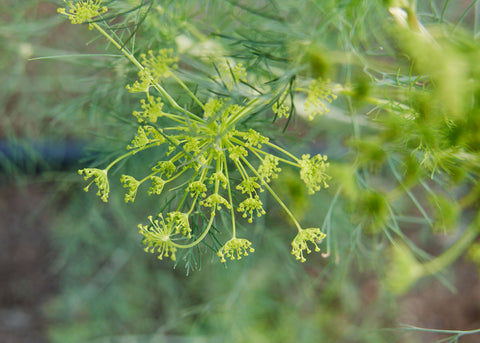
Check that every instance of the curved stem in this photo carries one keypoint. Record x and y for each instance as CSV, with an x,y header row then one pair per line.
x,y
131,152
199,239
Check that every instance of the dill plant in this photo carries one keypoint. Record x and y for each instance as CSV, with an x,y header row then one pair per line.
x,y
209,147
412,140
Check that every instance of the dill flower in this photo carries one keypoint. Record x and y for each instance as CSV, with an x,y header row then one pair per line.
x,y
132,185
215,201
157,237
235,248
206,154
250,205
254,139
182,225
83,11
249,185
166,167
319,92
313,172
152,110
299,243
159,65
197,188
157,185
236,152
101,181
269,168
281,110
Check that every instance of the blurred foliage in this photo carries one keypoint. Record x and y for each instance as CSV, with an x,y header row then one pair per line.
x,y
402,137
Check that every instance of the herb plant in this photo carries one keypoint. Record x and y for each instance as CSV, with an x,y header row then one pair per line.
x,y
211,102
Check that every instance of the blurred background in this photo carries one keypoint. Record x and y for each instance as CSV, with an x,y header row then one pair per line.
x,y
72,269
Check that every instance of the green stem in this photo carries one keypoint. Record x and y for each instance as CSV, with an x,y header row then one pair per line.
x,y
199,239
132,152
157,86
232,210
241,114
189,92
283,151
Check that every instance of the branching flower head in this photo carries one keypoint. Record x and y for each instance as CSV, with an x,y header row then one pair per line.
x,y
236,152
249,205
319,92
215,201
254,139
101,181
197,188
181,223
219,177
204,153
281,110
157,237
269,168
212,107
156,67
159,65
166,167
235,249
83,11
157,185
132,184
152,110
313,172
299,243
249,185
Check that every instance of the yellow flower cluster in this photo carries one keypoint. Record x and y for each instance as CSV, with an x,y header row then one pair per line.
x,y
83,11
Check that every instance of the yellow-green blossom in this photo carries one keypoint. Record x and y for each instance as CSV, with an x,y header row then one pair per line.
x,y
197,188
220,177
181,223
236,152
249,185
160,65
254,139
299,243
142,84
269,168
235,249
319,91
249,205
157,237
83,11
313,172
281,110
212,107
157,185
140,139
166,167
152,110
215,201
132,184
101,181
231,76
